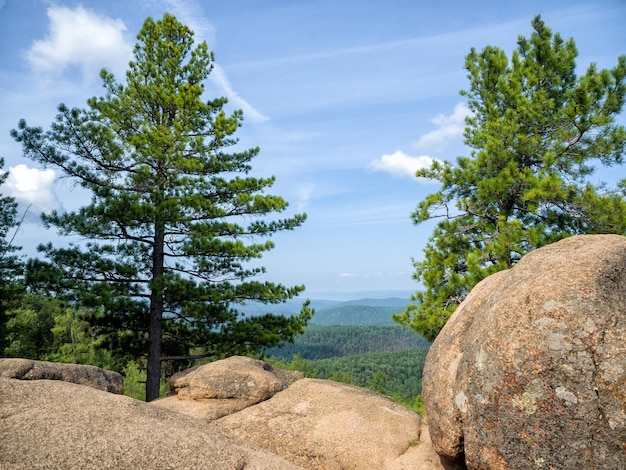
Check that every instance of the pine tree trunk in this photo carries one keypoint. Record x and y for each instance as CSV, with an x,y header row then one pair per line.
x,y
153,378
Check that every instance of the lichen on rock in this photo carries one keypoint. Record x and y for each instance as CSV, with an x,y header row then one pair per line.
x,y
532,365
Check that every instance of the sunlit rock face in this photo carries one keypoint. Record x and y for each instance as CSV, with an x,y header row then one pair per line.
x,y
315,424
223,387
530,371
320,424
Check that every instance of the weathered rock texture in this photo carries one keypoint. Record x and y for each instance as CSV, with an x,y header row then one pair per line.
x,y
26,369
530,371
55,424
319,424
223,387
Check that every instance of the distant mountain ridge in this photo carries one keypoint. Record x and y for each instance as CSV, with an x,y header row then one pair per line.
x,y
355,314
367,311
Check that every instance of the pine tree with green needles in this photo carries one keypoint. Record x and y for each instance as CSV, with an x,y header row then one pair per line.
x,y
537,131
174,221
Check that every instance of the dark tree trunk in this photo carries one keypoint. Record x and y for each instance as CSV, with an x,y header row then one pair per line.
x,y
153,378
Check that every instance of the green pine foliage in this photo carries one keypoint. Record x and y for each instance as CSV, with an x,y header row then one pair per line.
x,y
175,218
48,329
11,265
28,332
537,131
135,381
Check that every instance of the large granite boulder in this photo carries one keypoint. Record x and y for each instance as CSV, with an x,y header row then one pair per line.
x,y
54,424
319,424
530,371
223,387
91,376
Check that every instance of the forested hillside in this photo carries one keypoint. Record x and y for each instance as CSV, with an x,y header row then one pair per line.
x,y
322,342
397,374
355,315
360,345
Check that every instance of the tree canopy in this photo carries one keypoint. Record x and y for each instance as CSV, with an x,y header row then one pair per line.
x,y
537,132
174,220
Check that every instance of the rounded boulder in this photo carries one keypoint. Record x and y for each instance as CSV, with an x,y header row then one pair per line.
x,y
530,371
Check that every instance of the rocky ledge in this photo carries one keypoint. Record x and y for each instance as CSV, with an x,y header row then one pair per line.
x,y
231,414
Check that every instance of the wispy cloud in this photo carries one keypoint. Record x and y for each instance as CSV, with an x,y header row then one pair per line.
x,y
447,129
370,212
82,38
400,164
304,193
32,187
190,13
219,77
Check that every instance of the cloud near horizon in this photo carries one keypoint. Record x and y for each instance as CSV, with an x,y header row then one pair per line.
x,y
400,164
32,187
82,38
448,129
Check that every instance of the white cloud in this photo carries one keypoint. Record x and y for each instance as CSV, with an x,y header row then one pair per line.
x,y
82,38
304,192
448,128
221,80
400,164
32,187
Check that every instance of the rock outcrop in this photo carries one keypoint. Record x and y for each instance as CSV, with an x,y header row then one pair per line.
x,y
223,387
319,424
530,371
55,424
316,424
26,369
307,424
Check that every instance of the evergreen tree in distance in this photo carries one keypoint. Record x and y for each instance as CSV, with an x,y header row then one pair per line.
x,y
11,266
174,220
537,130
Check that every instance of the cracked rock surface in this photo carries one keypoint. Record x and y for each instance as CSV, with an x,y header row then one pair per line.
x,y
530,371
91,376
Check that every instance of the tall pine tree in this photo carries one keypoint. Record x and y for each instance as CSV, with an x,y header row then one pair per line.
x,y
174,219
537,131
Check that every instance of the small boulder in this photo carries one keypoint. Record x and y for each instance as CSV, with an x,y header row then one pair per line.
x,y
530,371
320,424
91,376
223,387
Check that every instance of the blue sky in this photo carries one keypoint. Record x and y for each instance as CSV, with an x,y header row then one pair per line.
x,y
346,99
